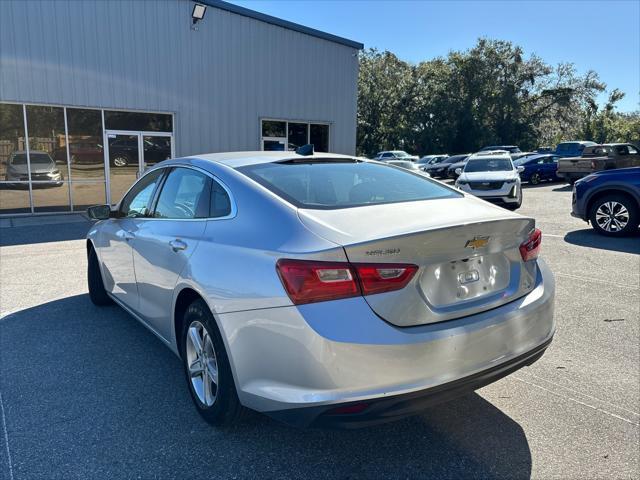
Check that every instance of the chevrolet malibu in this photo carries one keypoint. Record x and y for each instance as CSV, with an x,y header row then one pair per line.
x,y
322,289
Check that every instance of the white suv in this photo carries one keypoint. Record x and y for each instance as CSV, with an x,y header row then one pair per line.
x,y
492,176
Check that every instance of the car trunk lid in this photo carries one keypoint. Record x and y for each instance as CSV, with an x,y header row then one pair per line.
x,y
467,252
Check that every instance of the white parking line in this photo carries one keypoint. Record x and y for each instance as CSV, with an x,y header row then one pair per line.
x,y
6,436
606,282
526,373
566,397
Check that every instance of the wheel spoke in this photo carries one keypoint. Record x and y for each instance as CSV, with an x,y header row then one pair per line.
x,y
212,370
196,368
206,387
196,340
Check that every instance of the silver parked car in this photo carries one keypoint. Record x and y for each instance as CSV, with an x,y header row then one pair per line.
x,y
322,289
492,176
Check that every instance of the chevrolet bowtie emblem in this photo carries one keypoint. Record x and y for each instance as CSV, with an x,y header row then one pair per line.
x,y
477,242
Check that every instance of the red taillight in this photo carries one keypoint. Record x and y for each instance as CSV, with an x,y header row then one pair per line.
x,y
530,249
310,281
378,278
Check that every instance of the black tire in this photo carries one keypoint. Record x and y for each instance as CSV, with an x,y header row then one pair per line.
x,y
226,408
534,179
97,292
614,200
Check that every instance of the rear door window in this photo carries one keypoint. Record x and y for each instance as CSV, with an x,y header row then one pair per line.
x,y
185,195
342,184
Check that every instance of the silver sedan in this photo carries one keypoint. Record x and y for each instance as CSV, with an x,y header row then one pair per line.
x,y
322,289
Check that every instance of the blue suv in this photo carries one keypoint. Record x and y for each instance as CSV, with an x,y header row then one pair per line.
x,y
609,200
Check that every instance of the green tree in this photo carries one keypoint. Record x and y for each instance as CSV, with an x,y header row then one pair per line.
x,y
489,94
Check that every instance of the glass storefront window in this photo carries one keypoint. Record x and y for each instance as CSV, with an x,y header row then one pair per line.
x,y
85,144
58,171
86,194
47,144
12,141
319,137
138,121
298,135
14,198
278,133
272,128
50,197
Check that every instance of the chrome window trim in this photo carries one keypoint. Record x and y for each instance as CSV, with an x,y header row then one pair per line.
x,y
232,201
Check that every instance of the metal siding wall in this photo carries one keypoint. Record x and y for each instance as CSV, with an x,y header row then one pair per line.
x,y
143,55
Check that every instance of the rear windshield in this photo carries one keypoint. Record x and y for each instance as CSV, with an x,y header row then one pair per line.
x,y
333,184
488,165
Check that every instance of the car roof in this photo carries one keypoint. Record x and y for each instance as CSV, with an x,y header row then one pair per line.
x,y
526,158
490,154
242,159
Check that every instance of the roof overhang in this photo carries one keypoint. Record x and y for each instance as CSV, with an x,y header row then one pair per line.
x,y
263,17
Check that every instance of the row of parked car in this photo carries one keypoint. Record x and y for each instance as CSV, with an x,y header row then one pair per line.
x,y
569,161
605,177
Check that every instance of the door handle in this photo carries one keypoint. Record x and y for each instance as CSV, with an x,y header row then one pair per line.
x,y
177,245
128,235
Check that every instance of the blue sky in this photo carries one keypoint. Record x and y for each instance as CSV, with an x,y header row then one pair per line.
x,y
600,35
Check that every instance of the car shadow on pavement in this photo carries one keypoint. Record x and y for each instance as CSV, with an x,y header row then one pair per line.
x,y
563,188
56,232
88,392
589,238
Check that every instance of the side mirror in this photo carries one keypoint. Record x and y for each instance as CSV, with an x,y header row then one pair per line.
x,y
99,212
520,169
458,171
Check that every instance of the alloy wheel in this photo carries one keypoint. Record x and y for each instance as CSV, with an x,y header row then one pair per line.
x,y
535,179
120,161
612,216
202,363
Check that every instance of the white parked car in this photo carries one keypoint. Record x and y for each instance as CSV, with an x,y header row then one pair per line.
x,y
395,155
492,176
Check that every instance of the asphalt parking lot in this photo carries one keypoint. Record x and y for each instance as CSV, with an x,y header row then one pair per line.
x,y
89,393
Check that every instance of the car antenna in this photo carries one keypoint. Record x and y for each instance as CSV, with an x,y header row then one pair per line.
x,y
305,150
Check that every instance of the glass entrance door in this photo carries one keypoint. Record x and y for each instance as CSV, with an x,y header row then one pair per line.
x,y
123,153
155,148
130,154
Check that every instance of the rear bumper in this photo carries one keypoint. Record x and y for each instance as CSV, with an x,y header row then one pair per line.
x,y
400,406
297,363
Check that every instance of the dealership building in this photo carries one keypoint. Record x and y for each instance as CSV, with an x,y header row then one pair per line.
x,y
93,92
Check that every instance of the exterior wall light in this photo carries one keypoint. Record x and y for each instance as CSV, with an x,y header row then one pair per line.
x,y
198,12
